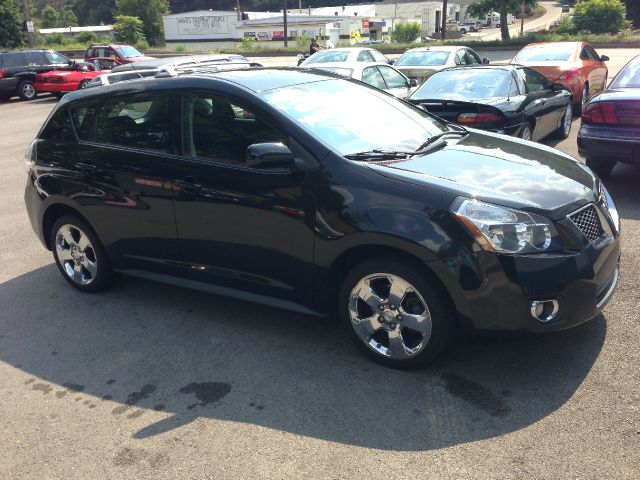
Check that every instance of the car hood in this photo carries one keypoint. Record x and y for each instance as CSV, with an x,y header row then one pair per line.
x,y
502,170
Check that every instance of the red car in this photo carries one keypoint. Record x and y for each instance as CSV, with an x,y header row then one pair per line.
x,y
62,81
576,65
120,53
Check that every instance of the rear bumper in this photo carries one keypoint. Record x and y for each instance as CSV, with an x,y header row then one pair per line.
x,y
618,144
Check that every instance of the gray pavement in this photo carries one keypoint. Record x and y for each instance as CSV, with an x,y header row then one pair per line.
x,y
153,381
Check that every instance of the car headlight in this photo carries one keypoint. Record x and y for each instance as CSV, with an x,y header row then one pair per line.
x,y
501,229
607,202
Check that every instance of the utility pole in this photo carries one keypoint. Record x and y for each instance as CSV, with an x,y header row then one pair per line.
x,y
27,21
286,31
522,18
443,29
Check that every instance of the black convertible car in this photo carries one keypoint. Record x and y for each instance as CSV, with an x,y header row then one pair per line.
x,y
509,99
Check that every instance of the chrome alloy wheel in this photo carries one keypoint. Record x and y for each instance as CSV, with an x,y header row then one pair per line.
x,y
585,98
390,316
76,254
566,123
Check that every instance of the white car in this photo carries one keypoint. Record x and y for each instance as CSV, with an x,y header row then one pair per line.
x,y
420,63
346,55
377,74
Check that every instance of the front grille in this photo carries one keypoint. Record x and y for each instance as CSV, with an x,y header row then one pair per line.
x,y
588,223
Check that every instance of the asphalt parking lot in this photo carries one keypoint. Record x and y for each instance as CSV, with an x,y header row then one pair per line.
x,y
153,381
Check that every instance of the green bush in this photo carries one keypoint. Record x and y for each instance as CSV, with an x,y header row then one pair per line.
x,y
86,37
128,29
303,42
180,48
600,16
247,43
406,32
142,45
56,39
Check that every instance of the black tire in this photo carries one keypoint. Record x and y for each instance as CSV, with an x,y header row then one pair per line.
x,y
577,108
438,306
58,95
82,84
103,276
562,132
601,167
27,90
528,125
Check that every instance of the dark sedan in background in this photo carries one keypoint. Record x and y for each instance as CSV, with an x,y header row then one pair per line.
x,y
509,99
610,130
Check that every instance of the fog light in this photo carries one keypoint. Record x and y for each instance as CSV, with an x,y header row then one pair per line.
x,y
544,310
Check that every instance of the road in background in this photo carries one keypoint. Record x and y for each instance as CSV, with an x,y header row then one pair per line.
x,y
150,381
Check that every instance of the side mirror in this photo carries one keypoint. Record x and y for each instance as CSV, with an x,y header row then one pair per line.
x,y
556,87
413,82
391,62
268,155
604,58
485,61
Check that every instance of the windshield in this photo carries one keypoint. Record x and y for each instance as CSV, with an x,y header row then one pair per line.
x,y
545,53
327,57
345,72
352,118
629,76
55,57
128,52
465,85
423,58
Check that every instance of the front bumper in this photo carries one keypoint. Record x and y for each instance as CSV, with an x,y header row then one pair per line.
x,y
495,291
620,144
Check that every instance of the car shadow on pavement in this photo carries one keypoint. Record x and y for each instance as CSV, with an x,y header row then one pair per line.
x,y
145,346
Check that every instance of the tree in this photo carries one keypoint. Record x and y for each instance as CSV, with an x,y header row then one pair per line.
x,y
600,16
481,8
128,29
406,32
150,12
445,11
633,12
11,32
49,17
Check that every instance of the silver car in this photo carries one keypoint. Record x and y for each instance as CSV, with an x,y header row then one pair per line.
x,y
420,63
377,74
348,55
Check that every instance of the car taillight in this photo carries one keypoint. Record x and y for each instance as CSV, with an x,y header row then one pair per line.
x,y
1,72
30,155
600,112
568,74
478,118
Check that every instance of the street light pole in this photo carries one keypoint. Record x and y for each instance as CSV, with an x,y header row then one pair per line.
x,y
286,32
522,19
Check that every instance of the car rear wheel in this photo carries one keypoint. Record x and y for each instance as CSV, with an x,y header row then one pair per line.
x,y
395,313
527,131
27,90
80,256
565,127
82,84
601,167
583,101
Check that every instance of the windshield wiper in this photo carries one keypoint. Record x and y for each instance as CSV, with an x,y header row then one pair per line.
x,y
433,141
379,154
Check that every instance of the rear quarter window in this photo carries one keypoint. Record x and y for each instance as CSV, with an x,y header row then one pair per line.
x,y
15,60
58,128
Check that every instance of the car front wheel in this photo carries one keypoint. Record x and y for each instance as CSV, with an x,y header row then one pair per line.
x,y
80,256
395,313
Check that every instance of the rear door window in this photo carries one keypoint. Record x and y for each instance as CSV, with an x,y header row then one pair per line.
x,y
364,56
84,121
135,122
38,58
534,81
15,60
378,57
